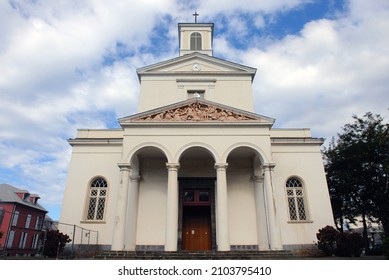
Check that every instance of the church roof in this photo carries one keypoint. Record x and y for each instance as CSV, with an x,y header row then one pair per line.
x,y
183,65
196,110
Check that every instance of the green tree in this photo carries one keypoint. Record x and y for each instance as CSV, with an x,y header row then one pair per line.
x,y
55,243
357,166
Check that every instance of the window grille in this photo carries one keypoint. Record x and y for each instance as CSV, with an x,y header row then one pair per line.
x,y
97,199
296,202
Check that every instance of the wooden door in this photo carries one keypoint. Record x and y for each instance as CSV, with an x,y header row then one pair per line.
x,y
196,229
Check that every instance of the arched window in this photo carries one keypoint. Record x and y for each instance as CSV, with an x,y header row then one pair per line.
x,y
195,41
296,201
97,199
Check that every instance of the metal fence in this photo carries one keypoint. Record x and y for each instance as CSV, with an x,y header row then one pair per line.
x,y
83,239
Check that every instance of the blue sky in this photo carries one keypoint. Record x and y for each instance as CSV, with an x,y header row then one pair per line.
x,y
71,64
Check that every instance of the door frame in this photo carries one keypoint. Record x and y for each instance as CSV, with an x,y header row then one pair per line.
x,y
198,183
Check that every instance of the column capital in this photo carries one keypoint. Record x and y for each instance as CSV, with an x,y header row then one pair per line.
x,y
221,165
258,179
269,166
135,178
173,165
125,166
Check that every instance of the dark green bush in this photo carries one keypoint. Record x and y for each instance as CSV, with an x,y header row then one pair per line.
x,y
349,244
55,243
327,237
334,242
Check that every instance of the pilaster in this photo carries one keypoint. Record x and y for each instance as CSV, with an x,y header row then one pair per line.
x,y
121,208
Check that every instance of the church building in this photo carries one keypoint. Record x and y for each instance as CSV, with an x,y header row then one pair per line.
x,y
196,168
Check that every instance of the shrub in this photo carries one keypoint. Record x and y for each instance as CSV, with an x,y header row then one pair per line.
x,y
327,237
55,243
333,242
349,244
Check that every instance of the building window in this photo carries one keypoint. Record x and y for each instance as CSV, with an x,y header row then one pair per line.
x,y
35,241
10,239
97,198
38,223
196,198
15,218
195,41
23,240
28,221
2,211
296,200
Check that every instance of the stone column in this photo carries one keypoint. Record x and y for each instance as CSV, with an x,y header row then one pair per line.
x,y
121,208
132,213
171,235
223,231
273,222
261,215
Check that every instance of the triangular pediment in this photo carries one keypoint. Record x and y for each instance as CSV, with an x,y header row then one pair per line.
x,y
196,110
196,64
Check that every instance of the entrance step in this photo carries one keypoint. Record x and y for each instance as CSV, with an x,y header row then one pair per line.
x,y
195,255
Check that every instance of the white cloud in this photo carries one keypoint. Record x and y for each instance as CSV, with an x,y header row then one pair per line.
x,y
211,7
259,21
54,79
330,71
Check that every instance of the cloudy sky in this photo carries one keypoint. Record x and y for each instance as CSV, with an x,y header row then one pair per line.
x,y
69,64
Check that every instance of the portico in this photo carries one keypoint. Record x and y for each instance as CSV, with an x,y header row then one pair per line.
x,y
228,167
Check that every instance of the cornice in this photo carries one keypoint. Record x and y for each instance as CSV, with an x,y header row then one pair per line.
x,y
96,141
295,140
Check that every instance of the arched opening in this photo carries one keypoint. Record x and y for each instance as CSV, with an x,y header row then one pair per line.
x,y
196,228
244,166
195,41
150,162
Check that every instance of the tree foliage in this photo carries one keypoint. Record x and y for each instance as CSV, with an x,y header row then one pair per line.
x,y
357,166
386,247
55,243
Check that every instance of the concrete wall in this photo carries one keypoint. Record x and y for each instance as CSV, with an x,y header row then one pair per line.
x,y
88,162
152,202
304,162
158,91
241,203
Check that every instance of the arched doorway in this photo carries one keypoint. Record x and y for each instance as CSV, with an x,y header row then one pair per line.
x,y
246,199
150,163
196,228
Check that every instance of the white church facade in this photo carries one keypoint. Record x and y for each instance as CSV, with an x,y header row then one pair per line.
x,y
197,168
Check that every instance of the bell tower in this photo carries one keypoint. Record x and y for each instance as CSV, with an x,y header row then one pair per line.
x,y
195,37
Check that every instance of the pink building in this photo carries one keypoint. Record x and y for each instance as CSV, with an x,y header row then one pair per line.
x,y
21,221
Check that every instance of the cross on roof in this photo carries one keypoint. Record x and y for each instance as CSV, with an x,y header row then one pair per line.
x,y
195,15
